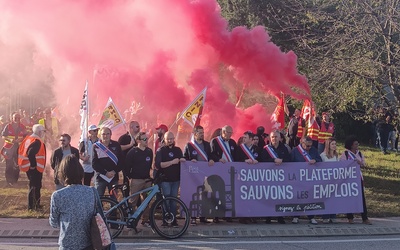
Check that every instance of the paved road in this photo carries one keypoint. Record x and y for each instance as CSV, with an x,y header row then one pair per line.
x,y
290,243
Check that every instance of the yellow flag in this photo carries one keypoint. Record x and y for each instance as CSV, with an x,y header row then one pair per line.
x,y
111,117
192,114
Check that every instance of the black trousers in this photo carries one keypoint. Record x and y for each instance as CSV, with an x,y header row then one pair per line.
x,y
364,215
35,184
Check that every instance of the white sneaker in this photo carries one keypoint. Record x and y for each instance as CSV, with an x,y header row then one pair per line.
x,y
295,220
313,221
325,221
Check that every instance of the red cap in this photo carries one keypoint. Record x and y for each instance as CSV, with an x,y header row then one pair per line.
x,y
325,113
163,127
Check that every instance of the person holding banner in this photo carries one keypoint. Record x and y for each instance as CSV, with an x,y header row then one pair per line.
x,y
198,150
353,154
249,153
275,152
305,152
106,161
329,155
223,149
168,162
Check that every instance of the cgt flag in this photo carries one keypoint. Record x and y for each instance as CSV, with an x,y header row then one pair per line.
x,y
307,112
111,118
192,114
278,117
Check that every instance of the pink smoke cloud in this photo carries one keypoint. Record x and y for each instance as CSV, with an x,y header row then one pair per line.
x,y
161,53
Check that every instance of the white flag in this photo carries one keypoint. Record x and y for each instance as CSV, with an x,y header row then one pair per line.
x,y
84,112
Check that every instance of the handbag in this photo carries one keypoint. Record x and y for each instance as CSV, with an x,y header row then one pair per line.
x,y
99,233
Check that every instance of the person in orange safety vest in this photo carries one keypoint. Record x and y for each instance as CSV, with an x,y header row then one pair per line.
x,y
32,160
13,133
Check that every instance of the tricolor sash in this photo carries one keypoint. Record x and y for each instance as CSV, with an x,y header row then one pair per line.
x,y
271,151
199,150
247,151
224,148
110,154
350,155
306,156
353,157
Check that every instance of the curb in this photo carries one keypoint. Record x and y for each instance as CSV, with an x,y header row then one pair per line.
x,y
234,231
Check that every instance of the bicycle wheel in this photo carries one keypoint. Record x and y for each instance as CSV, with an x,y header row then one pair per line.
x,y
113,218
169,223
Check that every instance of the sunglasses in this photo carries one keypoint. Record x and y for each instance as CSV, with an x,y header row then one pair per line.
x,y
144,139
62,140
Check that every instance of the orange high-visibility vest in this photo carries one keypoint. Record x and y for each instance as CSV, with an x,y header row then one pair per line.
x,y
325,132
23,160
313,131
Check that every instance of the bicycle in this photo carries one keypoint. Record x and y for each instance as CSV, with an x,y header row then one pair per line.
x,y
162,220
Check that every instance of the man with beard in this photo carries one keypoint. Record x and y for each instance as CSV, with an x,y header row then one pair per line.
x,y
159,142
275,152
198,150
59,154
168,162
137,169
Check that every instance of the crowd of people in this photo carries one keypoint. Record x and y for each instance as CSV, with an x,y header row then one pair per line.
x,y
102,158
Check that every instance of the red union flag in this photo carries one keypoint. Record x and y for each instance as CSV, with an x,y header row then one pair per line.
x,y
192,114
307,111
278,117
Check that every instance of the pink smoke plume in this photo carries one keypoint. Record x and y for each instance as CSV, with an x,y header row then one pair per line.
x,y
160,53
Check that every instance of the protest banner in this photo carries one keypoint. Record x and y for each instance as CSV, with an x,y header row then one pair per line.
x,y
236,189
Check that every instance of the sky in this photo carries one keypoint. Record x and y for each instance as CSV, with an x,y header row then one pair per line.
x,y
158,53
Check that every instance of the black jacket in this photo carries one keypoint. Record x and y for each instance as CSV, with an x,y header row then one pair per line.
x,y
191,153
217,151
56,158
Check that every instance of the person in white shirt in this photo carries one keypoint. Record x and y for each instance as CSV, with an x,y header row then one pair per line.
x,y
329,154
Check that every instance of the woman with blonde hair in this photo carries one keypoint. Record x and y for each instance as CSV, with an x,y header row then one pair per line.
x,y
329,154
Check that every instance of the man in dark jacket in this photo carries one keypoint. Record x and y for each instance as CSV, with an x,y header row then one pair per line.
x,y
198,150
58,154
106,161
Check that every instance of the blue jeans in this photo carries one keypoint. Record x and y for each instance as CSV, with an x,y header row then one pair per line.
x,y
171,189
101,185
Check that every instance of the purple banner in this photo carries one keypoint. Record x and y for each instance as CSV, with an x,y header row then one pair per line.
x,y
238,189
